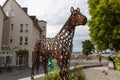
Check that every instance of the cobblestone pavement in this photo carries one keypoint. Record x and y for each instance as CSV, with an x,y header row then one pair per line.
x,y
101,73
18,73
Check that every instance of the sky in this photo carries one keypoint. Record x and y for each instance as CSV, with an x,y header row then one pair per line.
x,y
56,13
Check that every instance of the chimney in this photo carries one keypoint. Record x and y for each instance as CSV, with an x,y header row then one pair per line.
x,y
33,18
25,9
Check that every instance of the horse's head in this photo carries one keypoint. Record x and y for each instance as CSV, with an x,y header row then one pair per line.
x,y
77,18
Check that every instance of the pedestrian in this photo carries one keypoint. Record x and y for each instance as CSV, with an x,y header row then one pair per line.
x,y
112,58
100,59
50,65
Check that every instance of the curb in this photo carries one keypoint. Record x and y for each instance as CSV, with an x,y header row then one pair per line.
x,y
36,77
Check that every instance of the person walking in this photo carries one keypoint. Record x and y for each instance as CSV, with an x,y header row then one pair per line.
x,y
50,65
112,59
100,58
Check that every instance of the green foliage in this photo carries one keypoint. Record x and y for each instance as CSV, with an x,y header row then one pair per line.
x,y
53,76
77,74
105,23
117,61
87,47
23,53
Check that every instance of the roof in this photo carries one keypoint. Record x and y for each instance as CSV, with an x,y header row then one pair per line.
x,y
34,22
42,21
3,12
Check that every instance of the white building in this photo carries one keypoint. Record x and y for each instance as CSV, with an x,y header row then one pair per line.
x,y
23,31
2,15
5,52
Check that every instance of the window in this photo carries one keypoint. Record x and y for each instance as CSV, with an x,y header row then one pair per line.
x,y
43,36
43,27
11,28
20,40
8,59
6,13
21,27
12,12
2,48
20,60
26,28
2,60
26,40
11,40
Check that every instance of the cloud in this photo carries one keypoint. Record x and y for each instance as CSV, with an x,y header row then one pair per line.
x,y
59,10
53,30
56,13
2,2
81,34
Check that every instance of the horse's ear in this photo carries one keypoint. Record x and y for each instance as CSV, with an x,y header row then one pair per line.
x,y
71,9
78,9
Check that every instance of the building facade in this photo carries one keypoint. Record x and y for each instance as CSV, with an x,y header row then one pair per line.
x,y
1,25
5,52
23,32
1,29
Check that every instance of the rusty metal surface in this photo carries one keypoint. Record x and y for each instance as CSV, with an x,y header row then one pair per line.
x,y
60,47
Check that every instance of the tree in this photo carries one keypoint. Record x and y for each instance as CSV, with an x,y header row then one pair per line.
x,y
87,47
23,53
105,24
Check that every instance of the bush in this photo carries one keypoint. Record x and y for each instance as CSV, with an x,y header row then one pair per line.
x,y
117,61
77,74
53,76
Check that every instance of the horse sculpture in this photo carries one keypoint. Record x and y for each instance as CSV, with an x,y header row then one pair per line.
x,y
60,47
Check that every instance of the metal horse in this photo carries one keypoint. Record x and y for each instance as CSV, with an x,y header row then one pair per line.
x,y
59,47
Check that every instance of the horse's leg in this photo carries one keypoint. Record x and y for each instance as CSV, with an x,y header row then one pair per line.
x,y
37,64
64,69
61,70
34,62
45,65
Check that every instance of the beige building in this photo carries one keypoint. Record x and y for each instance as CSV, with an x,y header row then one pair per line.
x,y
24,31
1,25
4,54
